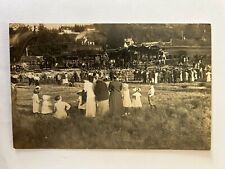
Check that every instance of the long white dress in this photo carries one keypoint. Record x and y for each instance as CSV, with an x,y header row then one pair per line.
x,y
126,96
192,76
90,103
181,77
36,102
60,109
186,76
136,100
156,77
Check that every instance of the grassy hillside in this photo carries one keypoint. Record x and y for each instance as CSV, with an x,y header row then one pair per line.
x,y
182,121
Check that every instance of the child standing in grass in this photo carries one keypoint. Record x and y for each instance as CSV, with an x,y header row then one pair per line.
x,y
36,101
126,98
82,101
46,105
136,99
151,93
60,108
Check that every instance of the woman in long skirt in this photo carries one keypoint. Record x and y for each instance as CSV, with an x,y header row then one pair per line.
x,y
102,97
115,98
90,103
36,101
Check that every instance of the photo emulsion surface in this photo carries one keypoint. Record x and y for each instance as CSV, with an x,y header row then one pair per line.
x,y
111,86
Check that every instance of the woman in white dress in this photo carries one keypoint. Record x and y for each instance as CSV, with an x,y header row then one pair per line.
x,y
186,76
181,76
60,108
126,98
90,103
192,75
36,101
156,77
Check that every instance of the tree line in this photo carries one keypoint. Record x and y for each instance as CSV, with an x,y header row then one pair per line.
x,y
50,42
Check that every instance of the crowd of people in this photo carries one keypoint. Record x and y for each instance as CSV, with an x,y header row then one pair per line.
x,y
155,75
107,90
97,98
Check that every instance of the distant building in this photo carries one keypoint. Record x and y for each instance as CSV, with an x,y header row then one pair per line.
x,y
67,30
90,29
159,43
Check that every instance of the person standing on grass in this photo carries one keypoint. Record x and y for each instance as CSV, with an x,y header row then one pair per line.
x,y
115,98
60,108
58,78
46,105
156,77
136,99
208,76
102,97
90,103
82,98
126,98
192,75
36,101
186,76
13,95
151,93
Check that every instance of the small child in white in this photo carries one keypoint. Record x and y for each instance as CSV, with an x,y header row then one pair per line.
x,y
60,108
151,93
36,101
82,101
46,105
136,98
126,98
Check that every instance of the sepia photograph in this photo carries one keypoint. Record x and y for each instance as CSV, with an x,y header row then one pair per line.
x,y
111,86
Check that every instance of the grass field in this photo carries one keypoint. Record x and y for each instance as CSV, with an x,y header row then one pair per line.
x,y
182,121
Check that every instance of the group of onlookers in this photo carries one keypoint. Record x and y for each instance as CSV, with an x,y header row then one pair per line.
x,y
154,75
173,75
97,98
